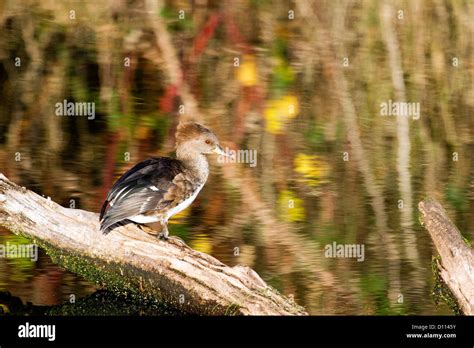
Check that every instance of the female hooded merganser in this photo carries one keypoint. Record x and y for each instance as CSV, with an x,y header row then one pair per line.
x,y
158,188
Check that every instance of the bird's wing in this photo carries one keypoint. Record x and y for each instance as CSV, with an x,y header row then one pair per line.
x,y
147,186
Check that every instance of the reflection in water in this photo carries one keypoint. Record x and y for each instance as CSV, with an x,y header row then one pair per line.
x,y
303,93
39,282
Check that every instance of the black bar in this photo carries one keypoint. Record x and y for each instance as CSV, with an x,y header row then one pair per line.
x,y
194,330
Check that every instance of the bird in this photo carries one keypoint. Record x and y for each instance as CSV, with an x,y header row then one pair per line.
x,y
157,188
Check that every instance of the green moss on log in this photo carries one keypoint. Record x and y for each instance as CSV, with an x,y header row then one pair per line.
x,y
441,292
122,280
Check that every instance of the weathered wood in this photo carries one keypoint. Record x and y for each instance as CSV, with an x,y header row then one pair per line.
x,y
457,258
130,260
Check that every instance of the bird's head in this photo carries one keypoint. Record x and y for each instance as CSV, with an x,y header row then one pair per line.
x,y
196,138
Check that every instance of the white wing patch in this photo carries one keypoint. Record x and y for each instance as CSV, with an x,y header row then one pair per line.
x,y
118,195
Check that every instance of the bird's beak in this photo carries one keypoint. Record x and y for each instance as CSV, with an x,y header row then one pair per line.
x,y
220,151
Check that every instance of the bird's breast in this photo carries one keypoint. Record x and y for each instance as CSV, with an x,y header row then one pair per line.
x,y
186,202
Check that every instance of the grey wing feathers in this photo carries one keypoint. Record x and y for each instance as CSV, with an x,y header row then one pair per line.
x,y
139,190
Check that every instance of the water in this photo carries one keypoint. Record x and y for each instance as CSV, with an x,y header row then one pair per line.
x,y
310,187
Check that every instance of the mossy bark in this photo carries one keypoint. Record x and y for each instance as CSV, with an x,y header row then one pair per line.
x,y
456,264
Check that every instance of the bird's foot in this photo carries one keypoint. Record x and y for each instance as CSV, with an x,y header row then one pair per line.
x,y
164,231
163,235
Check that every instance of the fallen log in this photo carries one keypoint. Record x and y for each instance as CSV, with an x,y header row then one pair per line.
x,y
457,258
128,260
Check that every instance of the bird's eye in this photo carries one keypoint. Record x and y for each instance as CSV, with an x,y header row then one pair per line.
x,y
208,141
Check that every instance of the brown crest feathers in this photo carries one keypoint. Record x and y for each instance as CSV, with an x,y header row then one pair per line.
x,y
189,130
